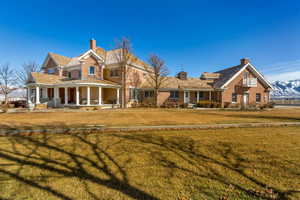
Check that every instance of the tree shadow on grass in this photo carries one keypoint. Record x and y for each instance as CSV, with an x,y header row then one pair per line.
x,y
81,158
219,163
104,159
259,116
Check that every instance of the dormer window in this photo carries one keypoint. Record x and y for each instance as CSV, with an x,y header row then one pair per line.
x,y
91,70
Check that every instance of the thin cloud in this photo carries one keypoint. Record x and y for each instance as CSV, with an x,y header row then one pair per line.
x,y
283,71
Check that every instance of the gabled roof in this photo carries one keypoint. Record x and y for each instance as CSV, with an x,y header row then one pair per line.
x,y
91,53
227,75
58,59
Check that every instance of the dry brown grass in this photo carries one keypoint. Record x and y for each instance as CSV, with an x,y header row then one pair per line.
x,y
129,117
202,164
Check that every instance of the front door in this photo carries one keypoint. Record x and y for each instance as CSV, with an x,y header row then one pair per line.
x,y
186,97
246,99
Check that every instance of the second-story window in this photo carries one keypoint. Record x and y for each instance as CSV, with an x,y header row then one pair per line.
x,y
114,72
91,70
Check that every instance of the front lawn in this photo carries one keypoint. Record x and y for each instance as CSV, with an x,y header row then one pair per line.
x,y
135,117
253,163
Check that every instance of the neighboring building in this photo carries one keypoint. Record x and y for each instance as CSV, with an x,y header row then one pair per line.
x,y
240,85
96,78
18,94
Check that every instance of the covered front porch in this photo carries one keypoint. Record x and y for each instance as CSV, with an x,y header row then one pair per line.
x,y
196,96
76,95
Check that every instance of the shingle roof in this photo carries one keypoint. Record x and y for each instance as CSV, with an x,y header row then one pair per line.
x,y
226,74
176,83
59,59
43,78
112,58
49,79
207,75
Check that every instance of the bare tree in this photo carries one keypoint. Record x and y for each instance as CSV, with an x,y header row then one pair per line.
x,y
23,75
7,80
123,56
157,76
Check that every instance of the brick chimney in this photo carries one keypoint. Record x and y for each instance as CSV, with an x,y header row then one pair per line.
x,y
244,61
93,44
182,75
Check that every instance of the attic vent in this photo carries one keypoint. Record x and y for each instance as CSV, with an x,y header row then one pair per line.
x,y
182,75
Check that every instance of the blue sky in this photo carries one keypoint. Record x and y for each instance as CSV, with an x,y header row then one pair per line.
x,y
196,36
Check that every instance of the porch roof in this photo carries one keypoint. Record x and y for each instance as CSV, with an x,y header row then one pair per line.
x,y
54,80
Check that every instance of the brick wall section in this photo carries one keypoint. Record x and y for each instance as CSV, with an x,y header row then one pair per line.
x,y
236,87
91,61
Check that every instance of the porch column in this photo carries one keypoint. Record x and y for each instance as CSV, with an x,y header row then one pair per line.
x,y
56,93
88,95
100,95
29,95
37,95
56,96
66,96
77,96
209,95
118,96
197,96
45,92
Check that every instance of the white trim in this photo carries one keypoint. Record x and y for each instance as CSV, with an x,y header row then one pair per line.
x,y
92,52
74,85
241,70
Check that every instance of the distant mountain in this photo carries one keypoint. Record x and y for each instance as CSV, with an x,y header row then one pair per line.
x,y
284,89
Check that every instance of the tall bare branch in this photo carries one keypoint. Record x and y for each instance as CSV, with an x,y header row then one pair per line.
x,y
122,55
157,76
7,80
23,75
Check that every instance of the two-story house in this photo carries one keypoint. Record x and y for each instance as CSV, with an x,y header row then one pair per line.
x,y
96,78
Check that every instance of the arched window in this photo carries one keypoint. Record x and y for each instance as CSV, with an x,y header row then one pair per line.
x,y
92,70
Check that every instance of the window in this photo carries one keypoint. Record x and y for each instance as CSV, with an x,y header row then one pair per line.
x,y
234,98
51,71
201,95
114,72
149,94
174,94
133,93
92,70
258,97
246,75
69,74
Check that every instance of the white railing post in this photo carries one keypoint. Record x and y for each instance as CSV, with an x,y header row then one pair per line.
x,y
37,95
100,95
29,95
77,96
66,96
118,96
88,95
